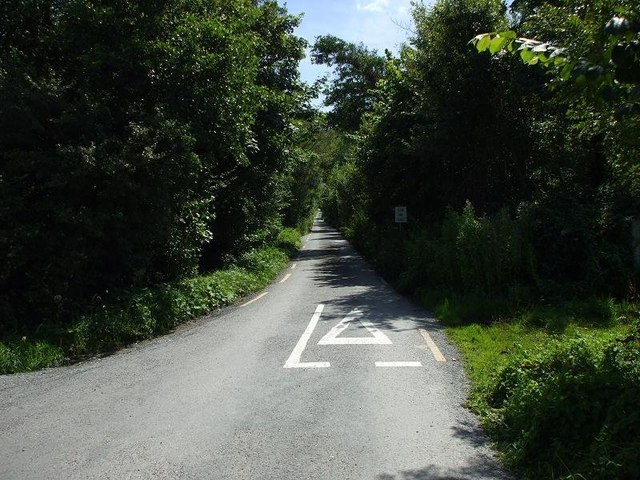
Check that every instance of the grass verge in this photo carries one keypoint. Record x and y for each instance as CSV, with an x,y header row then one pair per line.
x,y
149,312
556,386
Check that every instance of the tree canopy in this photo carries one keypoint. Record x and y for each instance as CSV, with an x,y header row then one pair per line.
x,y
140,140
352,92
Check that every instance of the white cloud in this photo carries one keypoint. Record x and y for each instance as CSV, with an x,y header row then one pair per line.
x,y
373,5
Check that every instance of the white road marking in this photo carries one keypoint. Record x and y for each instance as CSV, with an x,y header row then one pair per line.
x,y
294,358
398,364
432,346
293,267
254,300
331,338
286,277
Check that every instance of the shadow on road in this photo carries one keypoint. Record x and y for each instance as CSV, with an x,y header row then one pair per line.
x,y
338,266
477,469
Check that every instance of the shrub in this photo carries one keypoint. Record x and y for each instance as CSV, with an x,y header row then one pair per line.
x,y
148,312
570,410
289,240
25,356
470,253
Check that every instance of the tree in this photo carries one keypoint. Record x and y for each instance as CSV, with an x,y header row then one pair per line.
x,y
602,59
588,189
428,146
132,134
358,70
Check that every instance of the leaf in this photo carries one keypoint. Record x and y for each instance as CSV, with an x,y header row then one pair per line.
x,y
497,44
543,58
559,61
527,55
477,38
543,47
484,43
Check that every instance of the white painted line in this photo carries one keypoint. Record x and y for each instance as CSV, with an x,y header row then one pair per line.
x,y
398,364
286,277
254,300
293,267
432,346
294,358
377,338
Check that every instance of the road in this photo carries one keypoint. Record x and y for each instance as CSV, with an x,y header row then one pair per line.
x,y
327,374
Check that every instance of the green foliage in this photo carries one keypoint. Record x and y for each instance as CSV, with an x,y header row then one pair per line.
x,y
340,195
554,180
352,93
470,254
140,141
470,308
581,243
569,409
289,241
157,310
148,312
555,384
444,132
611,69
26,356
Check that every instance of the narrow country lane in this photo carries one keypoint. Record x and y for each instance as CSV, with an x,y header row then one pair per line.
x,y
327,374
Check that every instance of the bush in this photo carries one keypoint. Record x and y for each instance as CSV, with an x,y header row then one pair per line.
x,y
26,356
110,181
155,311
581,243
148,312
569,410
467,254
289,240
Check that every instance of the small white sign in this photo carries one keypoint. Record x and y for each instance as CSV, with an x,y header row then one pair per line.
x,y
401,214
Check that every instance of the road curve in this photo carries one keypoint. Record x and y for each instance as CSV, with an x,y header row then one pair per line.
x,y
329,375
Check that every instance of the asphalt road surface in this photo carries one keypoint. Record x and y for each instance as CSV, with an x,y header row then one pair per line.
x,y
326,374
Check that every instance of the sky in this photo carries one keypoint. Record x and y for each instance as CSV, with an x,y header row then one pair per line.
x,y
379,24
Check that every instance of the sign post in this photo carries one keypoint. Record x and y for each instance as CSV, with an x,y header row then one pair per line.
x,y
400,214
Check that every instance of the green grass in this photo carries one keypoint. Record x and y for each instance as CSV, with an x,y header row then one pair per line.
x,y
486,349
149,312
24,355
555,385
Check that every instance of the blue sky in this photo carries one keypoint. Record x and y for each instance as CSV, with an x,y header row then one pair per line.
x,y
379,24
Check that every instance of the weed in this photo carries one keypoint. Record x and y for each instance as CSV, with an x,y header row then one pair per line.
x,y
148,312
27,355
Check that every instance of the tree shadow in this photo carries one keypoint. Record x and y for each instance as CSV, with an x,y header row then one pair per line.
x,y
355,284
478,468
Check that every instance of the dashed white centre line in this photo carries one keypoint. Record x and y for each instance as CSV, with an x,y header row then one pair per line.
x,y
286,277
254,300
398,364
293,267
432,346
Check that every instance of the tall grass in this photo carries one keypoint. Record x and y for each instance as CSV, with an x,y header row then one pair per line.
x,y
148,312
555,379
